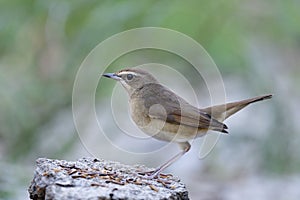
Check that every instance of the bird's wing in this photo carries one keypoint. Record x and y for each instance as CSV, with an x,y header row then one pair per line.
x,y
173,109
197,119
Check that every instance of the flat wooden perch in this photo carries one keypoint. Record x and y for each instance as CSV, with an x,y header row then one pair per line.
x,y
90,178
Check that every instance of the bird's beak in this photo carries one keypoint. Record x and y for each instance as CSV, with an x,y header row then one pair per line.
x,y
112,76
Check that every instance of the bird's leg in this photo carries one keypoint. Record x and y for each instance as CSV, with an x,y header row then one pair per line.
x,y
185,146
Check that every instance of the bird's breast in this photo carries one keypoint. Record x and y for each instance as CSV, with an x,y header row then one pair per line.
x,y
138,112
158,128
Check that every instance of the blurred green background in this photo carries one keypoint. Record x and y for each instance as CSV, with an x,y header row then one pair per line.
x,y
255,44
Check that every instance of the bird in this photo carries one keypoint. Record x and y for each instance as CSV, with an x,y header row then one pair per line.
x,y
166,116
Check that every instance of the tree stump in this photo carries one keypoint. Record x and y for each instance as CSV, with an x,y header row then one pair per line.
x,y
90,178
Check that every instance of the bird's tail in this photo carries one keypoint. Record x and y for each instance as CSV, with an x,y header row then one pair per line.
x,y
222,112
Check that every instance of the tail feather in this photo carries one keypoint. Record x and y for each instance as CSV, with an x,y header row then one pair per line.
x,y
222,112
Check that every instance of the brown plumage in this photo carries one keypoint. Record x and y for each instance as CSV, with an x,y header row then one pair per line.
x,y
162,114
175,109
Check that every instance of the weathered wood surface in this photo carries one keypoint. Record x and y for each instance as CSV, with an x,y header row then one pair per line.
x,y
90,178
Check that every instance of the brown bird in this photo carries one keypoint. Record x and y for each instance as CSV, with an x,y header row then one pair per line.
x,y
162,114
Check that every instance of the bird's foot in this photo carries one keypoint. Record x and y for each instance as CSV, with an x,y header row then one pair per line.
x,y
149,174
155,174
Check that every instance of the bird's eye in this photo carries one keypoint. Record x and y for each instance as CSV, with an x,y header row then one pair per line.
x,y
129,76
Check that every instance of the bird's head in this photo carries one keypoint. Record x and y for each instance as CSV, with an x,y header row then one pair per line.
x,y
132,79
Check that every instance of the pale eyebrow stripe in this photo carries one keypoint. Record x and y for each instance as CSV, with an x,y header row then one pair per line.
x,y
126,72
